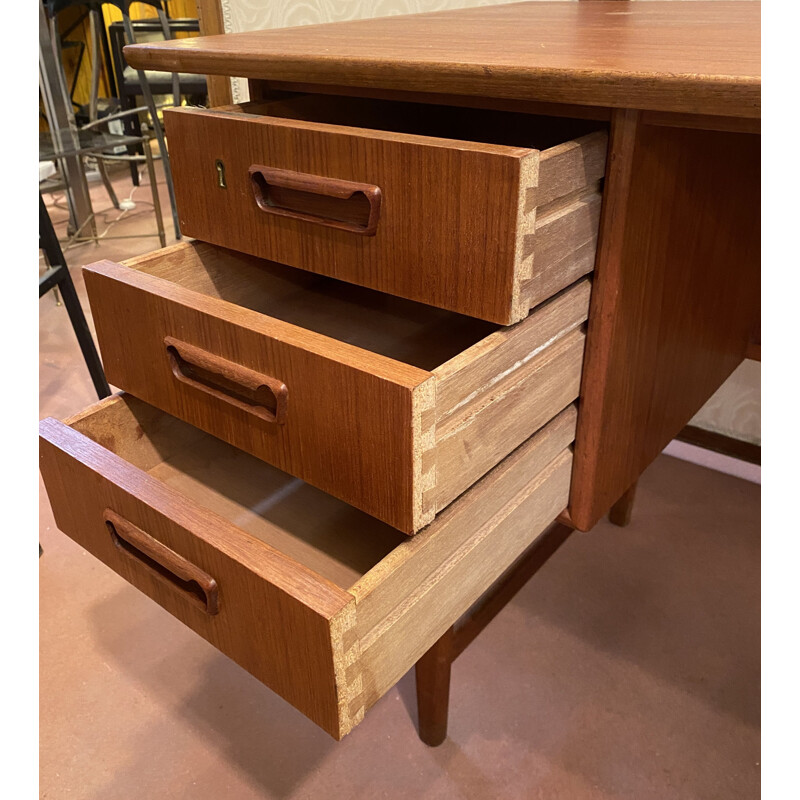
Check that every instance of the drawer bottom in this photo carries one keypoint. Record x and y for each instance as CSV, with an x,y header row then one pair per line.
x,y
326,605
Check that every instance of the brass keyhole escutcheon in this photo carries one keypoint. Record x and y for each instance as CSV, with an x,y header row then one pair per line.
x,y
220,174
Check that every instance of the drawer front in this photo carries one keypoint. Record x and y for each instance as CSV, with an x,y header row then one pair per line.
x,y
268,613
394,440
334,415
330,649
449,223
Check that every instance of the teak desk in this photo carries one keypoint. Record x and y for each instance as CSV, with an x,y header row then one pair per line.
x,y
383,153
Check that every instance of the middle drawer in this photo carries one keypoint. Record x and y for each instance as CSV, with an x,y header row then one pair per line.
x,y
392,406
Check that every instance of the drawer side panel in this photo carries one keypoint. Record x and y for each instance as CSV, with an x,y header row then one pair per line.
x,y
385,586
434,604
491,424
561,244
570,166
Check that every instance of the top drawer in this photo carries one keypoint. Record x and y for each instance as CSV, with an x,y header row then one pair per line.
x,y
403,203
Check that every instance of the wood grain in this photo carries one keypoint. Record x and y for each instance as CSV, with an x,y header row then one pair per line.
x,y
416,334
353,207
464,238
676,290
568,167
513,125
504,590
477,540
106,422
408,414
166,565
257,394
265,89
378,590
349,424
698,57
278,554
493,422
706,122
753,351
435,242
355,405
475,371
433,669
563,245
260,589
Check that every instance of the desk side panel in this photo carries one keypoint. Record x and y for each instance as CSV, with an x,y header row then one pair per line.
x,y
676,294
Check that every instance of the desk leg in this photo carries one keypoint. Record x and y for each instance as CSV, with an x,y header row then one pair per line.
x,y
433,689
620,513
675,294
433,669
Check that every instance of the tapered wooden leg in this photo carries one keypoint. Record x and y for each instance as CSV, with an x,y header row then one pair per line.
x,y
433,689
620,513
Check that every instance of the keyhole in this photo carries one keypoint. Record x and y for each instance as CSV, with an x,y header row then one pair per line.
x,y
220,174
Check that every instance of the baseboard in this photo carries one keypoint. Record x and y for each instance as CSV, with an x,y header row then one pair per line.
x,y
714,460
719,443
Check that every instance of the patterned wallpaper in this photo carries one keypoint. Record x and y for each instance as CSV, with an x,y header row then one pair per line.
x,y
735,410
252,15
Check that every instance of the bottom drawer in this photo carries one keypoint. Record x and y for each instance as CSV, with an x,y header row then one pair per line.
x,y
327,606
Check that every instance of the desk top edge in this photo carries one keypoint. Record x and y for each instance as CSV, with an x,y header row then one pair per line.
x,y
691,57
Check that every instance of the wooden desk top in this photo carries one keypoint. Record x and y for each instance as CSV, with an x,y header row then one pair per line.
x,y
695,57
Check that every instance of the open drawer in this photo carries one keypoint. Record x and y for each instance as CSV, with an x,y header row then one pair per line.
x,y
326,605
392,406
486,213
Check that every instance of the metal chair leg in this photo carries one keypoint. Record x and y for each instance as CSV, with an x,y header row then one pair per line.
x,y
101,168
84,336
58,109
176,83
94,30
132,127
157,129
151,173
48,241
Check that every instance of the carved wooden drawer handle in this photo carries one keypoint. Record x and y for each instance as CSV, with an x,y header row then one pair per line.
x,y
335,203
239,386
197,586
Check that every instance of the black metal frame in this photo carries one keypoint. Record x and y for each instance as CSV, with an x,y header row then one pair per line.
x,y
58,275
193,86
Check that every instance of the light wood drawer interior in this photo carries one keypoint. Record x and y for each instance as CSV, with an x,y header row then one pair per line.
x,y
323,603
483,212
393,406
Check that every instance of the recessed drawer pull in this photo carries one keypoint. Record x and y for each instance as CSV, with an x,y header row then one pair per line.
x,y
489,229
382,388
335,203
197,586
308,582
258,394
